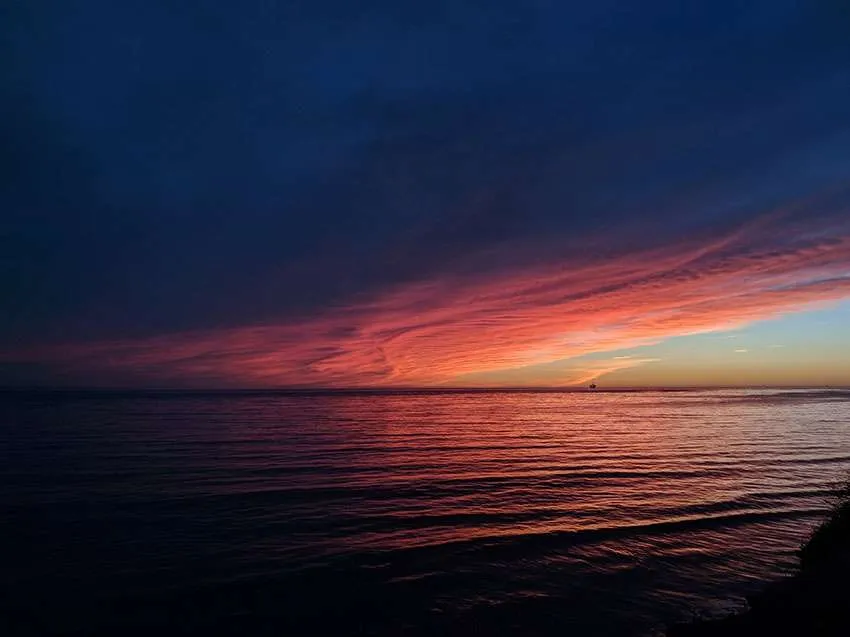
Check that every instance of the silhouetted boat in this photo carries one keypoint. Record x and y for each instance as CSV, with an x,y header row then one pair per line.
x,y
592,386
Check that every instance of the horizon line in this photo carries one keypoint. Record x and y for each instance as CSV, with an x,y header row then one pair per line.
x,y
408,389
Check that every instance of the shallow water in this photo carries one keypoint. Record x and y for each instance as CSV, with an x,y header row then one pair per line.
x,y
488,513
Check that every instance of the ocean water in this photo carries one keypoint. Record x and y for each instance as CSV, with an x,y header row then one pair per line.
x,y
477,513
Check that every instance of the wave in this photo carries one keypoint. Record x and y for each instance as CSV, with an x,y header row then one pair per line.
x,y
507,546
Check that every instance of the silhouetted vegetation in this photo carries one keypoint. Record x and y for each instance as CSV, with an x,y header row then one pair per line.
x,y
815,602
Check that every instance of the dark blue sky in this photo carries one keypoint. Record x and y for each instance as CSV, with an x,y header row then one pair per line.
x,y
175,167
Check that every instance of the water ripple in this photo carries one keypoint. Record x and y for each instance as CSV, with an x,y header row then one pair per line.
x,y
406,513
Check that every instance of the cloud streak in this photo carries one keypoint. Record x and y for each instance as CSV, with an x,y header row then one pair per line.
x,y
438,331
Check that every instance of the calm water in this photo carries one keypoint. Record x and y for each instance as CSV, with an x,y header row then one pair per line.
x,y
404,514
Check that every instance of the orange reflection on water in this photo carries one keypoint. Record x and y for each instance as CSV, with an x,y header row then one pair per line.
x,y
416,470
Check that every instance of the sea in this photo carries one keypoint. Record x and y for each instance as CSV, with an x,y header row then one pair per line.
x,y
404,513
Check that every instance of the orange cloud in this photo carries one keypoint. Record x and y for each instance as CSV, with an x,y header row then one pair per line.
x,y
591,371
436,331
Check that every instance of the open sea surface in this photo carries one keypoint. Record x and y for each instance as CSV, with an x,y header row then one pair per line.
x,y
411,513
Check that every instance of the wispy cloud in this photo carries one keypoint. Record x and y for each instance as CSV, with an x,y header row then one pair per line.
x,y
591,372
435,331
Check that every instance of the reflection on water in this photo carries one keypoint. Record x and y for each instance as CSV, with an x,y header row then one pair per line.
x,y
412,513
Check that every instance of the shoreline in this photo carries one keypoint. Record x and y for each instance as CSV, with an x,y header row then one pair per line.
x,y
813,602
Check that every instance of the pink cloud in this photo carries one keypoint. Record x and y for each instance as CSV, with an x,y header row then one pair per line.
x,y
594,370
433,332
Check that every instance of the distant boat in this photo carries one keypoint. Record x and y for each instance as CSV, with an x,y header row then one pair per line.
x,y
592,386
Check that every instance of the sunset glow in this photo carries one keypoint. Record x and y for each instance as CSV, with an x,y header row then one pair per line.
x,y
502,318
499,329
331,207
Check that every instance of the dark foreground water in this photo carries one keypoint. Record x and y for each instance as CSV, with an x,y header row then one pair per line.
x,y
403,514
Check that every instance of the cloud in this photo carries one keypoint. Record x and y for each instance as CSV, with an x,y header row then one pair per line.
x,y
435,331
590,372
386,198
741,351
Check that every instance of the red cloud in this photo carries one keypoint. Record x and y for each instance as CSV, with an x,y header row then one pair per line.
x,y
435,331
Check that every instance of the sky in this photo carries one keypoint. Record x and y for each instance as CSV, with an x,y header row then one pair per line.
x,y
343,194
